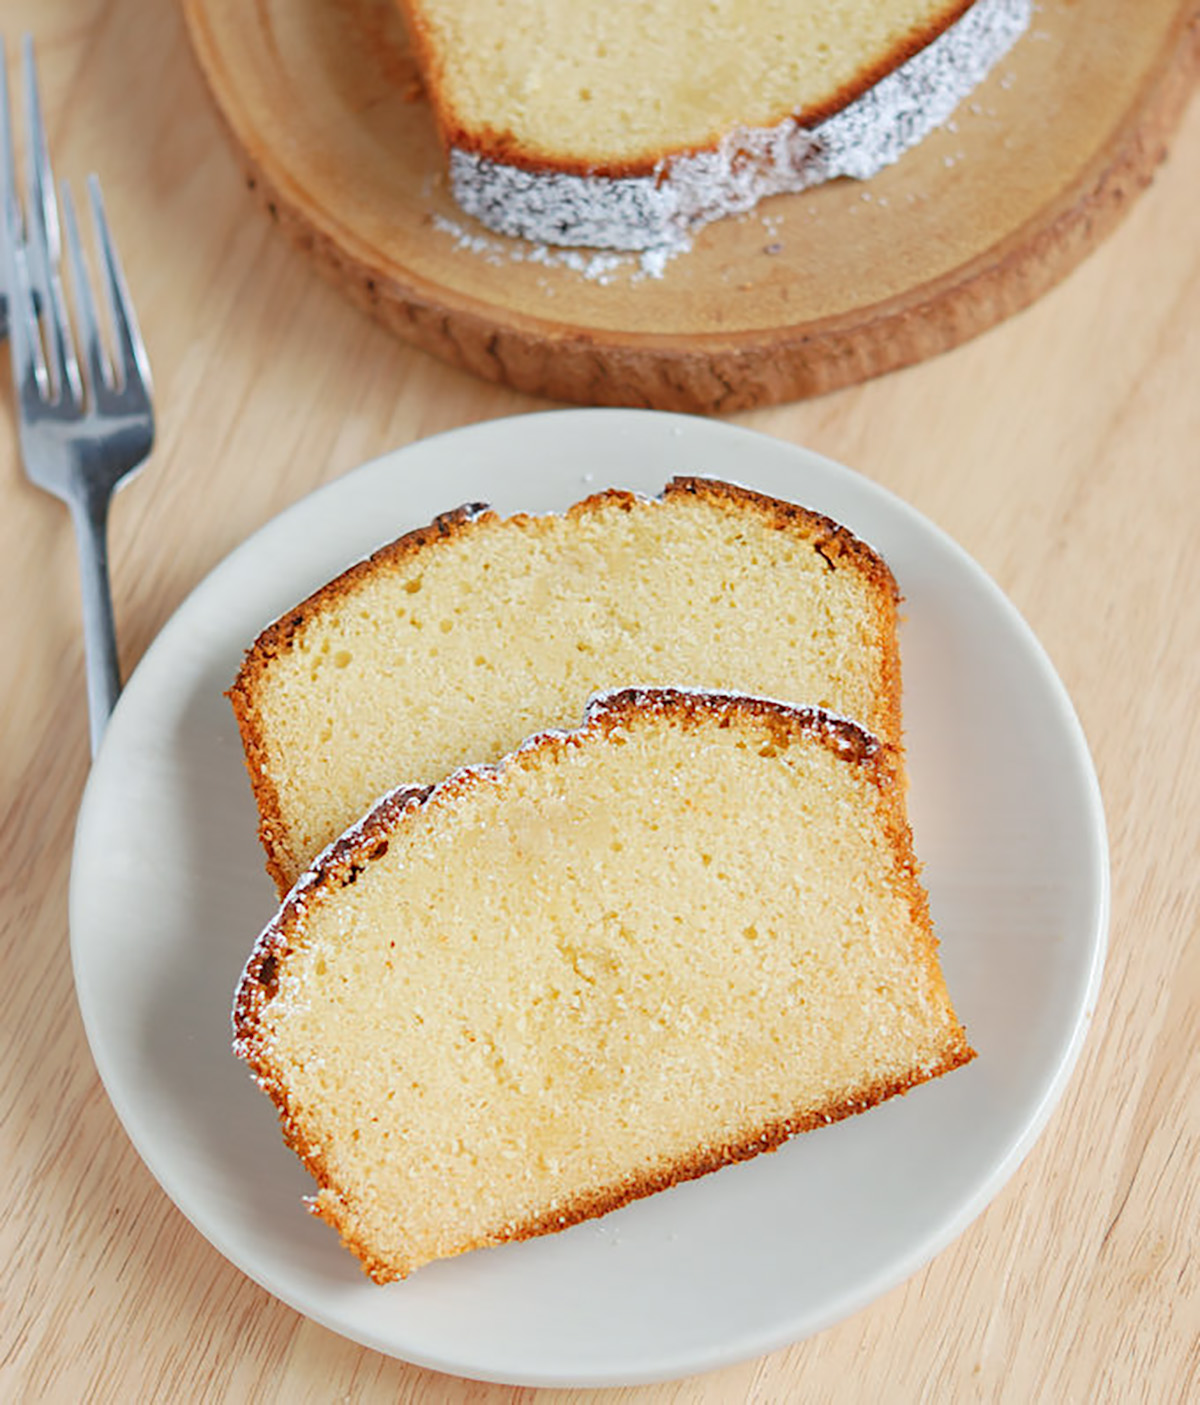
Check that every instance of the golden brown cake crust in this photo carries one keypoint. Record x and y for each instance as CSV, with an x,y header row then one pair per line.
x,y
343,862
503,146
836,544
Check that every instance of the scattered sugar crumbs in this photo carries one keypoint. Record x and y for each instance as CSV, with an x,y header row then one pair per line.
x,y
600,267
595,266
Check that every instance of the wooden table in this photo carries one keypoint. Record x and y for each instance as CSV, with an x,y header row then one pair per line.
x,y
1062,449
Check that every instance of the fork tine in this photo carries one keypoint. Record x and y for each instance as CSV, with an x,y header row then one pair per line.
x,y
8,160
44,241
134,363
41,178
28,369
8,182
11,214
92,341
24,346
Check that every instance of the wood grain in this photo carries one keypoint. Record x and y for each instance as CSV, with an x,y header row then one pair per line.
x,y
805,294
1060,449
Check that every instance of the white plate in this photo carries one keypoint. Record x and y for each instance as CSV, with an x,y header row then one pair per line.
x,y
168,893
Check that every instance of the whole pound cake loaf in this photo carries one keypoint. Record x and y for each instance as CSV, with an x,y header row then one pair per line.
x,y
625,956
455,642
628,125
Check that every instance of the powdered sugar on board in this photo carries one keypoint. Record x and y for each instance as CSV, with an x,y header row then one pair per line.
x,y
597,266
655,215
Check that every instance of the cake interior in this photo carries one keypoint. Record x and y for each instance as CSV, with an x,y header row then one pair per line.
x,y
608,966
453,654
616,86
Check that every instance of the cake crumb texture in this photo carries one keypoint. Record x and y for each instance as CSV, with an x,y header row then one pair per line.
x,y
454,643
625,956
615,86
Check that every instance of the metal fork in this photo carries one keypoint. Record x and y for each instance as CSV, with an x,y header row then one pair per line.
x,y
85,418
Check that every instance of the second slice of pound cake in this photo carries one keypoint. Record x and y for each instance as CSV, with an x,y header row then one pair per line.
x,y
458,640
628,955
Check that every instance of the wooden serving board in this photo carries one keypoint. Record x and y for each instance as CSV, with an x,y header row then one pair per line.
x,y
805,294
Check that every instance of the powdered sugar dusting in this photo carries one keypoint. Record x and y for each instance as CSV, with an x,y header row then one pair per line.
x,y
656,214
596,266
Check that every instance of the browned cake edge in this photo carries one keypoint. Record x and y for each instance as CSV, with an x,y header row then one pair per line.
x,y
340,865
832,541
499,145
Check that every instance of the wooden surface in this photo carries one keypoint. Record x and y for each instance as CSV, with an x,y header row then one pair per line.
x,y
796,298
1062,449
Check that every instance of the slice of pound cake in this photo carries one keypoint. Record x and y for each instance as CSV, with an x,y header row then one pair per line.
x,y
452,644
627,955
628,125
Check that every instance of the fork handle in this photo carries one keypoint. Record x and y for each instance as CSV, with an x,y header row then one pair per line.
x,y
89,512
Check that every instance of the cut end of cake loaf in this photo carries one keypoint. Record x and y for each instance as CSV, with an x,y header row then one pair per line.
x,y
628,955
595,87
455,642
627,126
